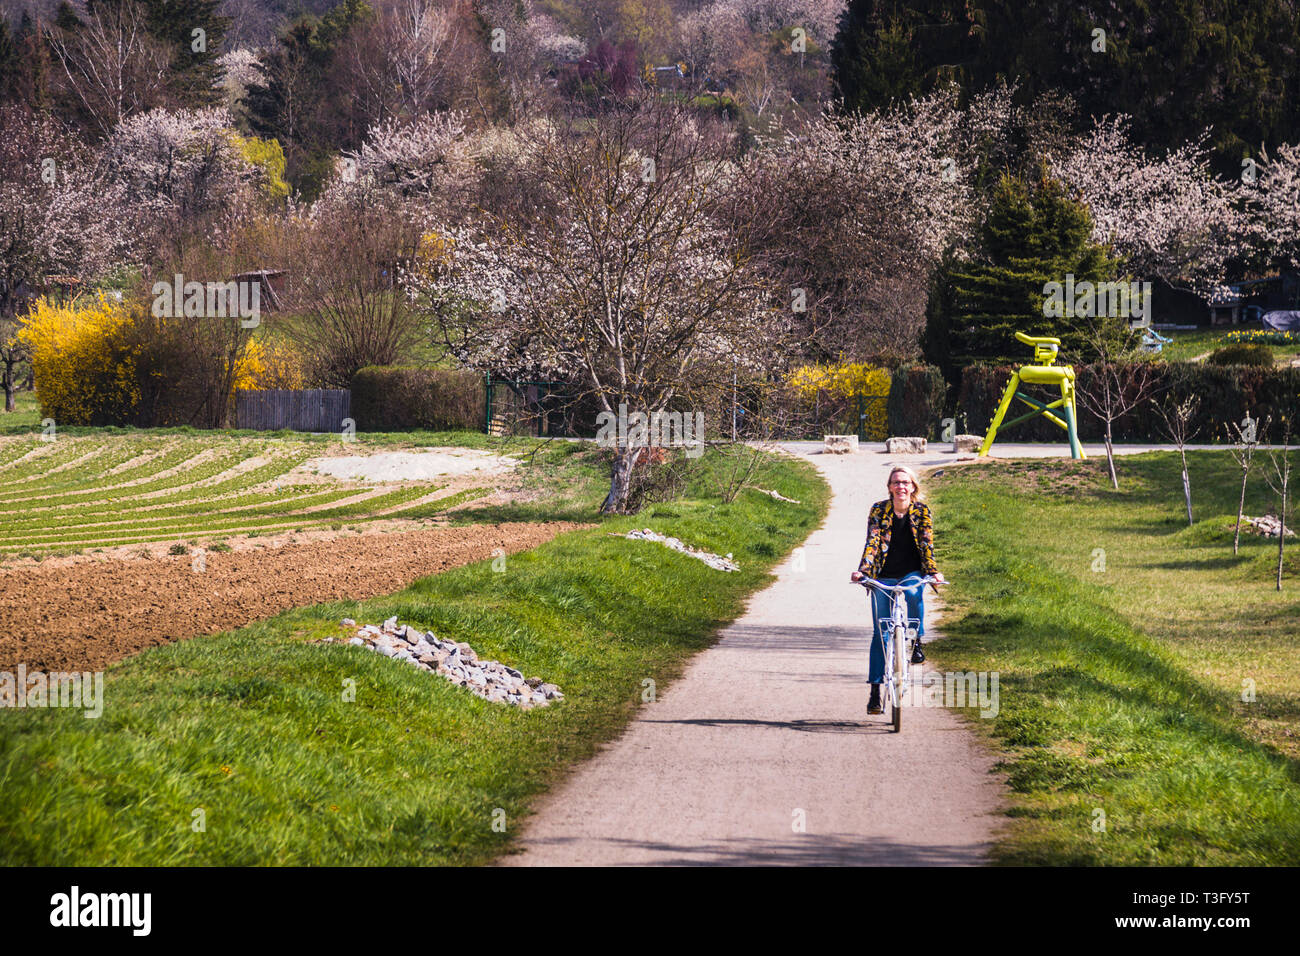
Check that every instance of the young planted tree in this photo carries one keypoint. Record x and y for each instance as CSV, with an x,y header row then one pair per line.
x,y
1278,477
629,286
1117,382
1178,425
1245,440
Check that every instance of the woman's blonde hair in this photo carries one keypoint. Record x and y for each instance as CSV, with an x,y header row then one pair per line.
x,y
917,493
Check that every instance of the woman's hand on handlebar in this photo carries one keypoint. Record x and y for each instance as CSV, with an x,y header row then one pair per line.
x,y
938,579
856,576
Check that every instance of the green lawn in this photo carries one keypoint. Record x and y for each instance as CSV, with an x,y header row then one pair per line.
x,y
1188,345
1122,674
252,727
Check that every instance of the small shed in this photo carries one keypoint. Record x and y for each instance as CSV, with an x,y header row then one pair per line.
x,y
270,284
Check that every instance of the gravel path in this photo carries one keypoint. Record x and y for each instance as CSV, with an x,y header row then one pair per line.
x,y
772,721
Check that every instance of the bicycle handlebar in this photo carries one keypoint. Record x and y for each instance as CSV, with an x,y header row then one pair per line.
x,y
872,582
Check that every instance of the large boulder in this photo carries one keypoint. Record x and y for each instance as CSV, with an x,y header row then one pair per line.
x,y
905,446
839,444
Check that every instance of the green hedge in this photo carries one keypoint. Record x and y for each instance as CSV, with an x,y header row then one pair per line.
x,y
1260,355
1226,393
396,398
916,401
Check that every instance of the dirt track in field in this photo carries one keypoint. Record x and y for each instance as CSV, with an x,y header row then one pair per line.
x,y
86,616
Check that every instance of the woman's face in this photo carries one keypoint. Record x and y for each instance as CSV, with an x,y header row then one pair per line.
x,y
900,489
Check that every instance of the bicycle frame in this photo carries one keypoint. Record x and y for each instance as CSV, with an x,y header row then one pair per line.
x,y
897,654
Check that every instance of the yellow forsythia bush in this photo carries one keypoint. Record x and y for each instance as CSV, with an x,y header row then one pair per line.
x,y
848,380
269,365
83,361
89,362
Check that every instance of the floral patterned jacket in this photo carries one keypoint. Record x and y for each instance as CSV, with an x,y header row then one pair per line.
x,y
880,524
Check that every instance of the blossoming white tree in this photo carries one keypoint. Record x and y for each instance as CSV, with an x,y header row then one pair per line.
x,y
1270,191
181,173
625,284
1170,217
858,209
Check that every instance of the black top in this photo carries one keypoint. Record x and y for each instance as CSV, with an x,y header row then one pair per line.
x,y
903,557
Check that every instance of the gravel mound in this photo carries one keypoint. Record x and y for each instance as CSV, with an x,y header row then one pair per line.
x,y
453,660
413,465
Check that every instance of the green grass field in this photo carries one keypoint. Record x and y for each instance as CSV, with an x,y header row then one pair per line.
x,y
1189,345
107,488
250,733
1125,640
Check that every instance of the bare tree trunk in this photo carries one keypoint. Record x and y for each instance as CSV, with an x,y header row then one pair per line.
x,y
1187,486
1241,507
1281,535
9,386
620,481
1110,458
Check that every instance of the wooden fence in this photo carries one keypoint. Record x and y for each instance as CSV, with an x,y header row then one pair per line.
x,y
302,410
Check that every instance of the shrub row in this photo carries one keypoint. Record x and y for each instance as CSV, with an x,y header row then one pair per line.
x,y
1226,394
1260,355
396,398
916,401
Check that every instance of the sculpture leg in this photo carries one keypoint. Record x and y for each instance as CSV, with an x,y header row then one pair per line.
x,y
1072,418
1001,413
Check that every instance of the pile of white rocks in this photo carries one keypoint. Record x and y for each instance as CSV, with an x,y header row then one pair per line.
x,y
708,557
455,661
1269,525
777,495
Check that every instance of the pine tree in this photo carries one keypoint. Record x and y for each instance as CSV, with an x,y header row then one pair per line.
x,y
1177,67
1033,234
32,81
8,64
886,50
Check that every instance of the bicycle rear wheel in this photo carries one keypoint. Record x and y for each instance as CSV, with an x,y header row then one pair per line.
x,y
899,665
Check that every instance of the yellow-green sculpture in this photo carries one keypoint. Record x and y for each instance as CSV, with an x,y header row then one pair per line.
x,y
1046,372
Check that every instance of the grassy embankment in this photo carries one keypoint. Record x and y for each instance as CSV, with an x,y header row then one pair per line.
x,y
1122,689
254,728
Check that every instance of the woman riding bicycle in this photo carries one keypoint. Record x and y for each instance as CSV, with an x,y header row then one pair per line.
x,y
899,550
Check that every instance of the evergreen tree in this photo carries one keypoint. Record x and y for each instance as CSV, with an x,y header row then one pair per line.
x,y
295,105
1033,234
886,50
8,64
1176,66
32,79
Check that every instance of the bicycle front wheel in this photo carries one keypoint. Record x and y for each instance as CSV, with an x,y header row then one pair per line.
x,y
899,665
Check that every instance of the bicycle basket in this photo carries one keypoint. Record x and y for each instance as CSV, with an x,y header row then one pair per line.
x,y
913,627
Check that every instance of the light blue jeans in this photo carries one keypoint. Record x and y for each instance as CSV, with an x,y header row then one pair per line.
x,y
880,610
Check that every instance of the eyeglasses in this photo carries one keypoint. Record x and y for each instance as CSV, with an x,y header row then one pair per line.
x,y
900,484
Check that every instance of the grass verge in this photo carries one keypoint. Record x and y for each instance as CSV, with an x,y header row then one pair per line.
x,y
251,732
1125,642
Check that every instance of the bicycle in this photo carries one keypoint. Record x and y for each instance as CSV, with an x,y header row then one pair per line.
x,y
899,635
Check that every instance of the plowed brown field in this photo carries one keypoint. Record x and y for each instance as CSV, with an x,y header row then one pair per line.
x,y
85,616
